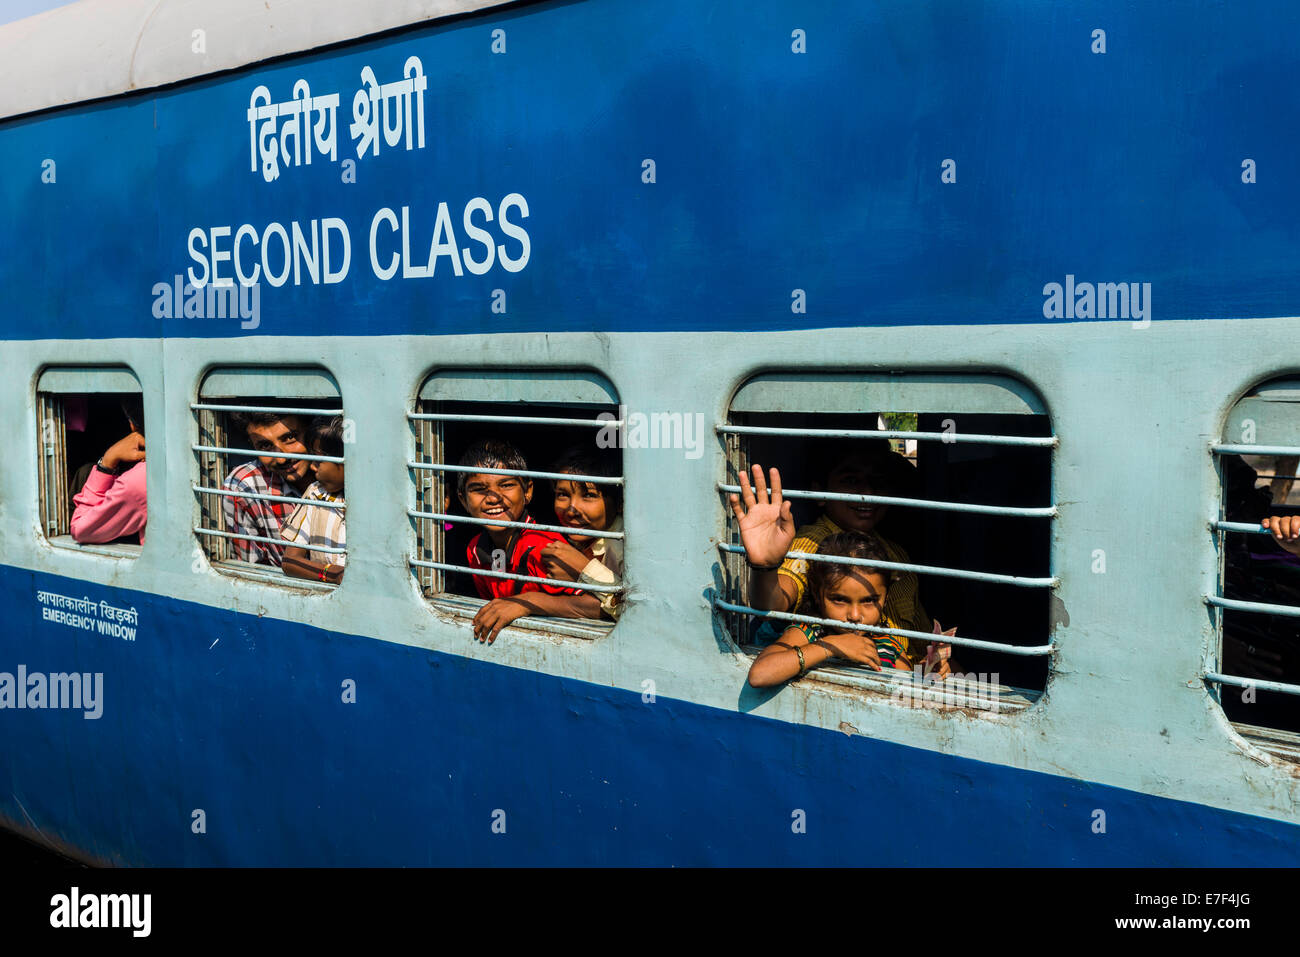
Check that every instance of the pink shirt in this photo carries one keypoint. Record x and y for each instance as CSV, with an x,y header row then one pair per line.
x,y
109,507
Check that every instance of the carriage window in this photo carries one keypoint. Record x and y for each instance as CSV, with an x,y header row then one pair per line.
x,y
91,472
517,496
946,481
270,491
1257,608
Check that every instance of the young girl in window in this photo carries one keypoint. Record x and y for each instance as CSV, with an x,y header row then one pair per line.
x,y
589,509
850,593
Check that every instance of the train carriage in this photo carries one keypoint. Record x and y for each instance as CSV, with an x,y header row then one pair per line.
x,y
1046,251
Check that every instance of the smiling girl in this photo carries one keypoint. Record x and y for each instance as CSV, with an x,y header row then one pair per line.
x,y
854,594
589,509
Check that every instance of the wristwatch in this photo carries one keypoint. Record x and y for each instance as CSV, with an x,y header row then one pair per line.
x,y
105,469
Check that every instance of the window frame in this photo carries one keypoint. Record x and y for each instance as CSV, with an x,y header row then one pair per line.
x,y
51,384
587,389
1283,390
219,390
907,392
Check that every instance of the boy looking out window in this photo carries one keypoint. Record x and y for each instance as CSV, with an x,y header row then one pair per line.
x,y
274,473
508,549
313,526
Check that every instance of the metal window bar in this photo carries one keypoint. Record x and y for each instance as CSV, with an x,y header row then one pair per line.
x,y
305,456
501,523
1243,527
509,419
1220,448
231,493
1048,511
328,549
1259,607
523,473
1256,683
1045,441
1021,650
939,570
511,575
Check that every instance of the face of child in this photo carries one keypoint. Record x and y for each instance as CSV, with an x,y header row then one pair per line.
x,y
504,497
858,597
857,476
277,438
329,474
580,505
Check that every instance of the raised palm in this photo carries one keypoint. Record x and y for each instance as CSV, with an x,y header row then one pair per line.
x,y
766,525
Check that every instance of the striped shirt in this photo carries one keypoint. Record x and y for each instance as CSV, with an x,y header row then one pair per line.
x,y
605,568
888,647
311,526
256,516
902,603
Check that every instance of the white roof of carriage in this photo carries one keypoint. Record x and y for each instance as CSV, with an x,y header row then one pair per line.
x,y
101,48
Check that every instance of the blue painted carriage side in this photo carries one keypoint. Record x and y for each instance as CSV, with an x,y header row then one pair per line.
x,y
775,171
243,717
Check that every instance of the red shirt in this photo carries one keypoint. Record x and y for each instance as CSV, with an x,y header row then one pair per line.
x,y
525,559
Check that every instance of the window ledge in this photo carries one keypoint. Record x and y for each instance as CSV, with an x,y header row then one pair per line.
x,y
270,575
1281,744
461,606
110,551
971,697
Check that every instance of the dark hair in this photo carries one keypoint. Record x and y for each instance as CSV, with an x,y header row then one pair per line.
x,y
133,409
827,455
327,435
490,454
580,460
824,575
242,420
